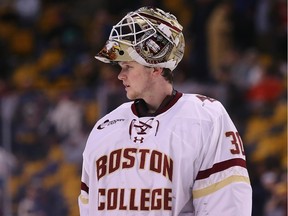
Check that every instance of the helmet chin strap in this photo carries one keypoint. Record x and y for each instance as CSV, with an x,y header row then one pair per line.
x,y
171,64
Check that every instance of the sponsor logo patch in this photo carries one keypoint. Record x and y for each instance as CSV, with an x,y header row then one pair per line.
x,y
107,123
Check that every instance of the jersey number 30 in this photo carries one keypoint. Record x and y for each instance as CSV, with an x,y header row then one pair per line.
x,y
236,141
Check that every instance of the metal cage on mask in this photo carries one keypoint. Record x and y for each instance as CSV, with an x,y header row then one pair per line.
x,y
146,39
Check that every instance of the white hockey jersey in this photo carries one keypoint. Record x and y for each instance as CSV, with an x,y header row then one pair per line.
x,y
186,160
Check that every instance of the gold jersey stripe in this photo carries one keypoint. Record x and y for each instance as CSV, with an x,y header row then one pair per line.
x,y
217,186
83,199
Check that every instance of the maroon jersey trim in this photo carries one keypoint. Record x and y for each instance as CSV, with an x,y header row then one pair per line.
x,y
218,167
139,107
84,187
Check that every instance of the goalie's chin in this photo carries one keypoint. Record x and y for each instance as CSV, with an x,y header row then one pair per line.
x,y
131,96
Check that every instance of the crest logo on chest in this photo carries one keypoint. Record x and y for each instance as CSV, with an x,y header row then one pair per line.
x,y
138,130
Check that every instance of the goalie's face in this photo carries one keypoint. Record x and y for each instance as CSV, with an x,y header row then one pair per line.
x,y
137,80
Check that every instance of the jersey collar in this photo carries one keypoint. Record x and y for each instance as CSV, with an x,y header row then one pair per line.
x,y
140,109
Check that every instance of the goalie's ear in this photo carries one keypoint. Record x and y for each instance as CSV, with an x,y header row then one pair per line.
x,y
157,71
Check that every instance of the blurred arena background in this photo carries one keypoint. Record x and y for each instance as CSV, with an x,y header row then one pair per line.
x,y
52,90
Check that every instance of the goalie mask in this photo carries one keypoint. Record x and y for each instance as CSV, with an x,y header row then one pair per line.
x,y
148,36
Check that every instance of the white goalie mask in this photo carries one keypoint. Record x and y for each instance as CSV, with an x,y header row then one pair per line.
x,y
148,36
